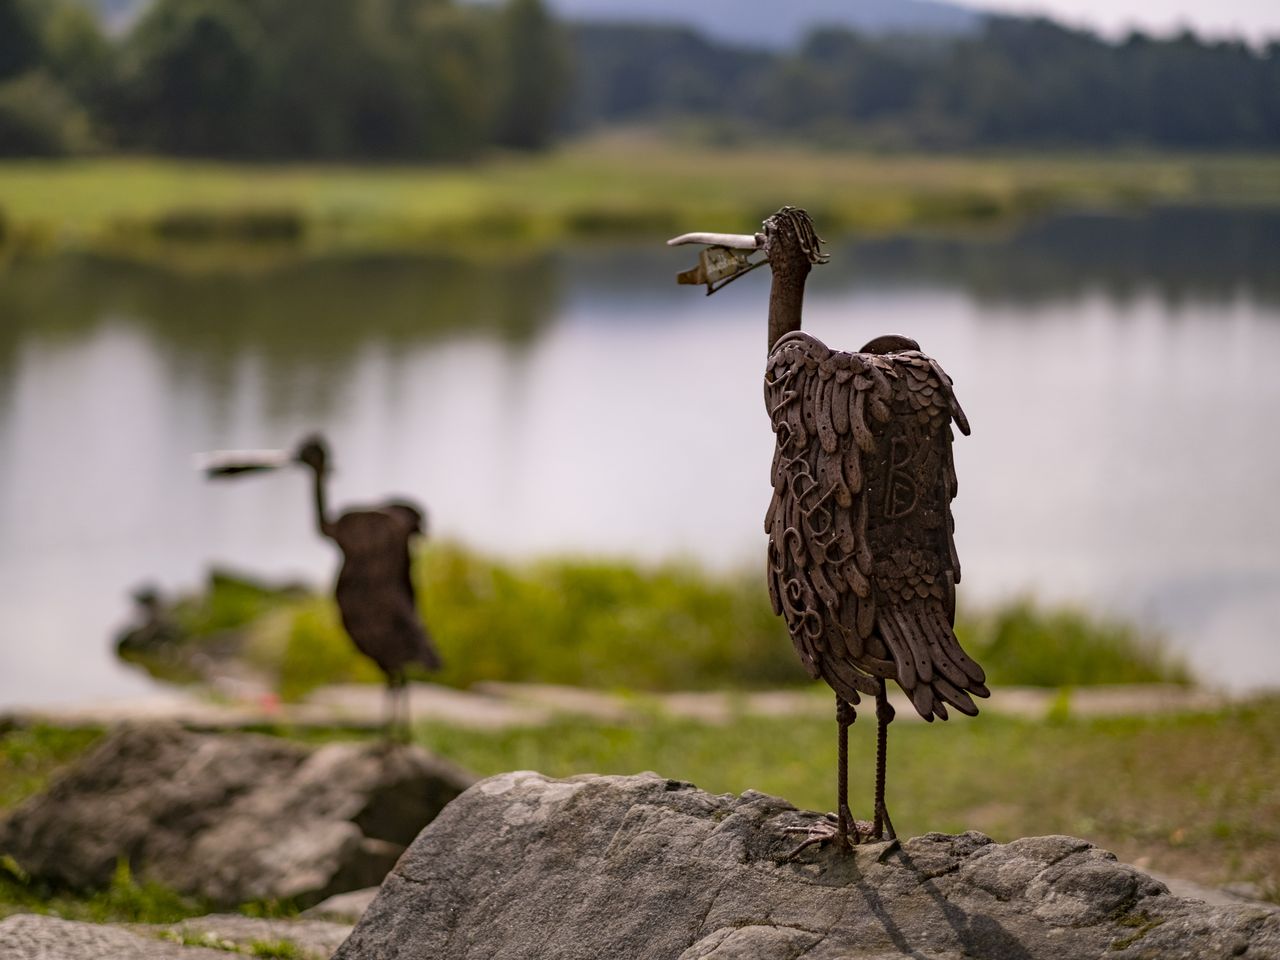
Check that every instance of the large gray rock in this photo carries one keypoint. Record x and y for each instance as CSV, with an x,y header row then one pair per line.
x,y
642,867
230,817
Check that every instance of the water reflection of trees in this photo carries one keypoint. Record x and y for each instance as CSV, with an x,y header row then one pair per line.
x,y
303,326
1179,255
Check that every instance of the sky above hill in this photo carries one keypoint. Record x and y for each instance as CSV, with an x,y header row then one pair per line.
x,y
1253,19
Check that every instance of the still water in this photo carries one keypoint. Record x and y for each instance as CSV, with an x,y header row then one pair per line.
x,y
1122,376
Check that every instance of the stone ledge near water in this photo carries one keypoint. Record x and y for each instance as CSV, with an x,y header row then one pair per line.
x,y
34,937
524,866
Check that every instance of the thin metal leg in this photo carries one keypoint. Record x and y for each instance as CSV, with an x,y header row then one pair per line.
x,y
884,716
844,718
389,714
845,831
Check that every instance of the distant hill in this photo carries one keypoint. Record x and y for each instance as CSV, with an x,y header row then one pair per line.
x,y
778,24
769,23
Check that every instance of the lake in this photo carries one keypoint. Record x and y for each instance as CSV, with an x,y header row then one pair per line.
x,y
1122,375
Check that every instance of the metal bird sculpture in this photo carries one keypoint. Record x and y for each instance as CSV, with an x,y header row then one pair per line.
x,y
861,558
374,589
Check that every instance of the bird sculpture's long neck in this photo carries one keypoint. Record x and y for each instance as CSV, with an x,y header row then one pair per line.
x,y
786,300
322,514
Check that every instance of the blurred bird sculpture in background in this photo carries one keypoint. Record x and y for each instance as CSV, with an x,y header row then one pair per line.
x,y
861,557
375,588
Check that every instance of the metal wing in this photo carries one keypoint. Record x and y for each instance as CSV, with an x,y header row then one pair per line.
x,y
375,590
862,563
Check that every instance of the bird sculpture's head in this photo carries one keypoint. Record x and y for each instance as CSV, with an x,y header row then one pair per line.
x,y
787,239
313,452
791,243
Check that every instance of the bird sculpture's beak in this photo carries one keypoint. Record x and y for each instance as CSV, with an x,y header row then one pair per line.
x,y
231,463
724,258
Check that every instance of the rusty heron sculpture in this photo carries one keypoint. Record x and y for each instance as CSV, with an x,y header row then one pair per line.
x,y
374,589
861,559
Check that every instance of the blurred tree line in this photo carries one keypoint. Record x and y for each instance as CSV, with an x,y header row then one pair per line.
x,y
438,79
323,79
1024,82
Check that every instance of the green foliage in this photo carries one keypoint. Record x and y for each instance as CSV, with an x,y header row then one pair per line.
x,y
534,61
229,602
189,77
20,42
1022,644
512,207
78,53
451,49
618,625
315,651
282,949
30,755
335,79
601,624
125,900
1029,82
38,118
443,79
251,225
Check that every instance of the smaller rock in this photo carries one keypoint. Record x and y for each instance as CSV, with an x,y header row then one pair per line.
x,y
343,907
313,938
231,817
33,937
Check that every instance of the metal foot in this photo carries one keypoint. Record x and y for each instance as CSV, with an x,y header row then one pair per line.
x,y
827,831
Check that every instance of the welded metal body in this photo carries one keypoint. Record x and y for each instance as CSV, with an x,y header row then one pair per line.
x,y
374,588
862,562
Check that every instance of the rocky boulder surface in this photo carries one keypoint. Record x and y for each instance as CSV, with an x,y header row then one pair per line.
x,y
231,817
523,866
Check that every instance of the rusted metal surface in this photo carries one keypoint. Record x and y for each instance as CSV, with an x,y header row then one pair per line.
x,y
862,562
725,257
374,589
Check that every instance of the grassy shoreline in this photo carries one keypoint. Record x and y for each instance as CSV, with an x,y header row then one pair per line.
x,y
621,187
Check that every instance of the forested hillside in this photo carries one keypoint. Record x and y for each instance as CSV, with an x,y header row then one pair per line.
x,y
441,79
359,79
1016,82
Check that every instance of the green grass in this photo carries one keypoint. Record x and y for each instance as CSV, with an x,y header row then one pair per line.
x,y
618,625
200,213
29,756
126,900
1192,795
282,949
1196,796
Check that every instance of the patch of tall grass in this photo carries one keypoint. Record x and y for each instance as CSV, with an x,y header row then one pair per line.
x,y
633,187
125,900
1022,643
617,625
